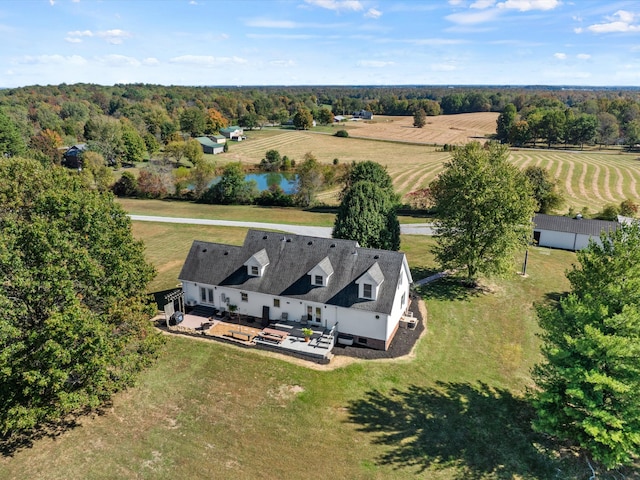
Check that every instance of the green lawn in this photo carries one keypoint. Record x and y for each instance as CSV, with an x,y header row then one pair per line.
x,y
208,410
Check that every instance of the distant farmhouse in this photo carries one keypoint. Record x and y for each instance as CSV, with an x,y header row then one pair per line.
x,y
321,282
233,133
363,114
72,158
569,233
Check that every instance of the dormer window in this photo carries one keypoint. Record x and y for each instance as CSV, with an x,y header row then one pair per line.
x,y
369,283
321,273
257,263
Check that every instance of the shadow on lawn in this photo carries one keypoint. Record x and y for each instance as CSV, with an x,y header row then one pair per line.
x,y
447,288
480,430
11,444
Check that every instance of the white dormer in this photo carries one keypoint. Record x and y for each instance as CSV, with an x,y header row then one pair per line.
x,y
257,263
369,283
321,273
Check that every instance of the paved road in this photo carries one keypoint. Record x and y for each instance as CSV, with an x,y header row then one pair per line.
x,y
410,229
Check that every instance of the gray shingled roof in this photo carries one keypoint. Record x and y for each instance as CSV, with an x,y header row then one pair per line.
x,y
291,257
376,273
582,226
325,266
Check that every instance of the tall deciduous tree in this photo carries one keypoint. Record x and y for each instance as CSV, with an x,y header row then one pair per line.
x,y
484,208
193,120
505,123
590,380
419,118
74,326
133,146
310,178
303,120
232,187
367,214
544,189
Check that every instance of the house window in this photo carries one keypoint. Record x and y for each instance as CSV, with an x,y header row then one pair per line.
x,y
403,299
367,290
318,314
244,297
318,279
362,340
210,293
276,302
203,294
254,270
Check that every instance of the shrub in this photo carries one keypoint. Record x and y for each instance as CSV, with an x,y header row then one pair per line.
x,y
341,133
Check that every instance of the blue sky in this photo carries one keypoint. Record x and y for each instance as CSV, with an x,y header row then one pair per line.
x,y
320,42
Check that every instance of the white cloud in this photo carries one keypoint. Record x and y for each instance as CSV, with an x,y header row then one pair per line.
x,y
470,18
373,13
583,56
52,2
482,4
281,36
151,61
621,21
80,33
337,5
119,60
282,63
578,30
455,2
206,60
436,41
560,56
267,23
526,5
373,63
115,36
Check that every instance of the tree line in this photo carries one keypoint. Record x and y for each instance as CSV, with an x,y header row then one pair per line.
x,y
603,121
45,118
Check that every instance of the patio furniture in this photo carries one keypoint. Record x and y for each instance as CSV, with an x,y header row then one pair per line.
x,y
243,335
273,335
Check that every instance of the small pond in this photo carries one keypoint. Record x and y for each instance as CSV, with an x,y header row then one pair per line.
x,y
287,181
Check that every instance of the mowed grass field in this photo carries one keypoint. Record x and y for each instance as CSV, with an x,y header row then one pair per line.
x,y
207,410
590,178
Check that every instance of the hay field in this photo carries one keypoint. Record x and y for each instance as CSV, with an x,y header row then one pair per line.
x,y
452,129
589,179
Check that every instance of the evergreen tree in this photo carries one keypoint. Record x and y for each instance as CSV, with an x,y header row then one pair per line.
x,y
367,214
590,379
11,142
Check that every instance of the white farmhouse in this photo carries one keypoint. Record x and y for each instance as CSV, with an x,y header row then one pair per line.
x,y
321,281
568,233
